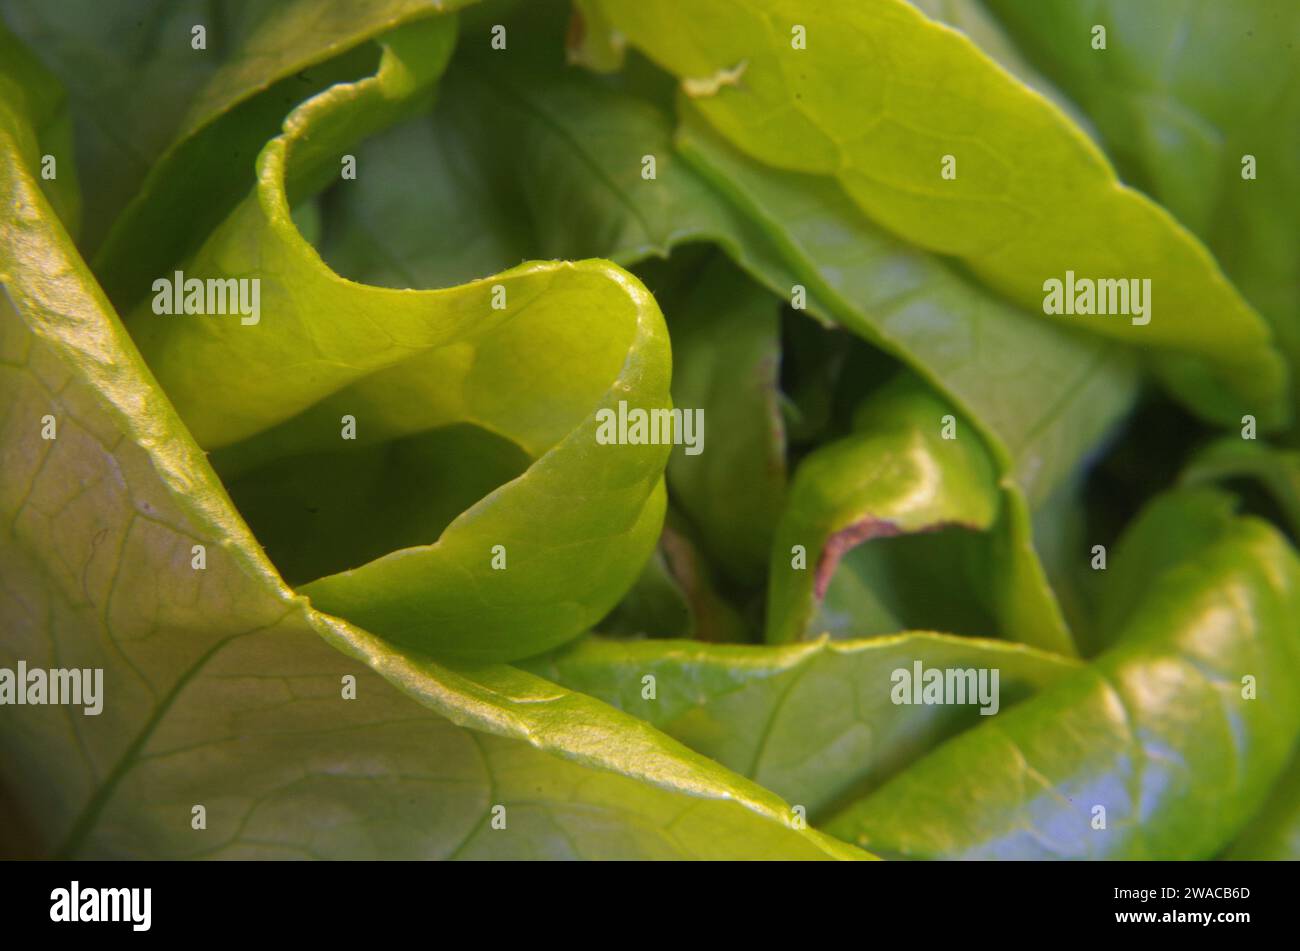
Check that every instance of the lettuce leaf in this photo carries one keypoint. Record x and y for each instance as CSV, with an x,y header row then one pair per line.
x,y
1178,128
1154,749
813,722
377,567
897,474
513,574
1016,216
220,676
1044,396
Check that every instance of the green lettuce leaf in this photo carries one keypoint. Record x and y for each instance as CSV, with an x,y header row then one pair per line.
x,y
515,573
896,474
713,616
219,676
726,361
1015,215
1274,834
1044,396
813,722
162,125
980,26
123,107
1159,748
48,129
1277,470
411,431
1182,94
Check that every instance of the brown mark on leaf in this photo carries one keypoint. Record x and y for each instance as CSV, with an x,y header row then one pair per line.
x,y
864,530
845,540
708,612
575,35
582,47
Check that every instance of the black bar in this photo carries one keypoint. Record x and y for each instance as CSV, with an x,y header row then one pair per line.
x,y
332,901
